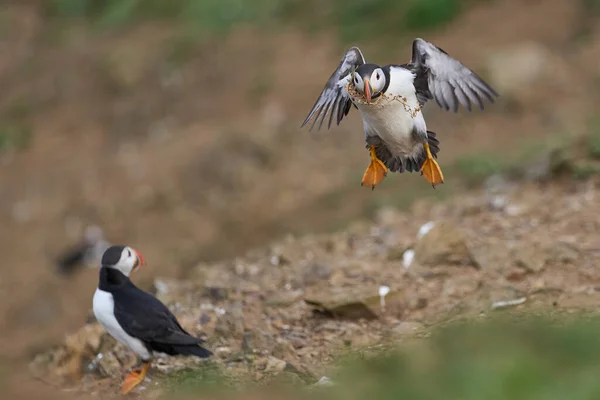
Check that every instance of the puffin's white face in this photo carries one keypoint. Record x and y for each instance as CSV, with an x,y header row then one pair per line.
x,y
129,260
370,86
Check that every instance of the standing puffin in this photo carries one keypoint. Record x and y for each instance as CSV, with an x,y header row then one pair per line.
x,y
390,99
136,318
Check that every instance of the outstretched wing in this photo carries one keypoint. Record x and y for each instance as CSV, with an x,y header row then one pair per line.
x,y
445,79
334,99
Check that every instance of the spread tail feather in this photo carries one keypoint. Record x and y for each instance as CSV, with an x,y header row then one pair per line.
x,y
403,163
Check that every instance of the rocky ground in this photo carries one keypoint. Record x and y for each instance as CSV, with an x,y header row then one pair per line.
x,y
291,308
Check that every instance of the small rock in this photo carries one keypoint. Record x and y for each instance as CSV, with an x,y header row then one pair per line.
x,y
298,342
513,210
316,273
109,364
504,294
324,381
284,297
338,278
275,365
407,328
216,293
461,286
86,339
531,257
493,256
516,275
304,374
230,324
257,340
204,319
443,244
497,203
564,253
223,351
285,351
418,303
351,304
278,259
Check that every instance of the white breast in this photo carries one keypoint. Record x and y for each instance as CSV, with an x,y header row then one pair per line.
x,y
104,310
393,118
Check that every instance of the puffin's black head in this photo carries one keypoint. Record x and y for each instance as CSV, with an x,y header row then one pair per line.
x,y
369,80
122,258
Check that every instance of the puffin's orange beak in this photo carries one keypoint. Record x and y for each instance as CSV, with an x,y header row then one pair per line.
x,y
368,90
139,260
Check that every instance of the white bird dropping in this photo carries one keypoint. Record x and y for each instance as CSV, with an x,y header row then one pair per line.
x,y
383,291
425,228
407,258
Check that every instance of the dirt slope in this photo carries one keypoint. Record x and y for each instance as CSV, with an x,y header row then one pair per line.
x,y
531,244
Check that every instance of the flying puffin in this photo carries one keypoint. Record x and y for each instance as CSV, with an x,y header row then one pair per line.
x,y
136,318
390,100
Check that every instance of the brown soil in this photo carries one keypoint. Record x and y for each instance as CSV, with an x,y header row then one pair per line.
x,y
289,309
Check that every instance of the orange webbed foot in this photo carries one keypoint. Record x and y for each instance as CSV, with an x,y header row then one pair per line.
x,y
431,170
375,173
134,378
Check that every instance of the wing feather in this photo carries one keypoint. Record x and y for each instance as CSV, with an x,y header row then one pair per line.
x,y
334,100
447,80
144,317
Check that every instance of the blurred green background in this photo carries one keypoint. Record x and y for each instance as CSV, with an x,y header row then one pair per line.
x,y
519,356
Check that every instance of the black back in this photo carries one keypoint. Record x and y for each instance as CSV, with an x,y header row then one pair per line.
x,y
143,316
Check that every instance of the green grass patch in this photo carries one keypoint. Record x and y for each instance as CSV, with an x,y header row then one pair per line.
x,y
14,137
353,19
549,355
430,14
594,137
214,16
590,7
507,358
207,379
594,145
475,168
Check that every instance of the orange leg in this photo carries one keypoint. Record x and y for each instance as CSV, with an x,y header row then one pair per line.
x,y
431,169
375,172
134,378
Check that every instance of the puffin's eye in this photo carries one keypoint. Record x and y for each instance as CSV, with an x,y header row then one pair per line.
x,y
129,253
377,76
